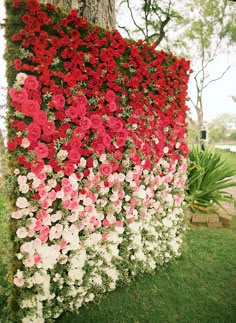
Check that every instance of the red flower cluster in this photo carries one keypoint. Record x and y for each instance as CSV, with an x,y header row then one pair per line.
x,y
88,92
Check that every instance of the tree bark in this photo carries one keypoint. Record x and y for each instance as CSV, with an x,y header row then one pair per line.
x,y
98,12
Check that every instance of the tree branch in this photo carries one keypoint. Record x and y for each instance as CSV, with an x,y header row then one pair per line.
x,y
218,78
132,16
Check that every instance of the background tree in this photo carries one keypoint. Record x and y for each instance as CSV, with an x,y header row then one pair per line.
x,y
223,127
150,20
98,12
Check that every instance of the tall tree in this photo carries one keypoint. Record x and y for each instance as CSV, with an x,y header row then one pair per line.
x,y
98,12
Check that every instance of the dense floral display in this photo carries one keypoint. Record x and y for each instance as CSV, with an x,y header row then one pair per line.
x,y
98,133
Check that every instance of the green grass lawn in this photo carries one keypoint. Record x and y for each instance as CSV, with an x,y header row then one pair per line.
x,y
5,257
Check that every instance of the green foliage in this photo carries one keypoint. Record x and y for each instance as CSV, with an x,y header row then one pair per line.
x,y
208,178
220,127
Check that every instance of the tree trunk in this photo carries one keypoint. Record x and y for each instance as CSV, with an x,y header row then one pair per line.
x,y
98,12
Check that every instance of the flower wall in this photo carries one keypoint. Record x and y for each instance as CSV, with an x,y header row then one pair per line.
x,y
98,156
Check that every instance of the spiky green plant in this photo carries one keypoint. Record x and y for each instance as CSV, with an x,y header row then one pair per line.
x,y
208,178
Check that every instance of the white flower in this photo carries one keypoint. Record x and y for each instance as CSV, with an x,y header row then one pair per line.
x,y
102,158
18,214
22,202
82,163
87,201
19,278
62,155
25,143
52,183
165,150
24,188
140,193
22,233
167,222
20,78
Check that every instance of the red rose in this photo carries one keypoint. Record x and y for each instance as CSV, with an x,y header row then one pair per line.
x,y
30,108
33,5
68,168
17,64
96,121
98,148
118,155
37,166
31,82
81,100
18,96
16,3
106,140
120,142
86,172
75,143
74,156
50,7
34,131
105,169
40,117
59,101
110,96
41,151
20,125
112,106
11,145
60,115
118,125
72,112
85,123
49,128
90,162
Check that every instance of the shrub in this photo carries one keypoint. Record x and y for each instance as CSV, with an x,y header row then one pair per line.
x,y
208,179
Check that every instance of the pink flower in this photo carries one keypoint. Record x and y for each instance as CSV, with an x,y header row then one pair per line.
x,y
119,224
110,96
85,123
44,232
105,223
30,108
96,121
45,204
49,128
18,96
38,225
112,106
67,204
34,132
74,156
105,169
72,112
31,82
40,117
19,281
41,151
37,258
59,101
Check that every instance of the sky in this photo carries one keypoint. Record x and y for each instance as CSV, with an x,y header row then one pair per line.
x,y
217,97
